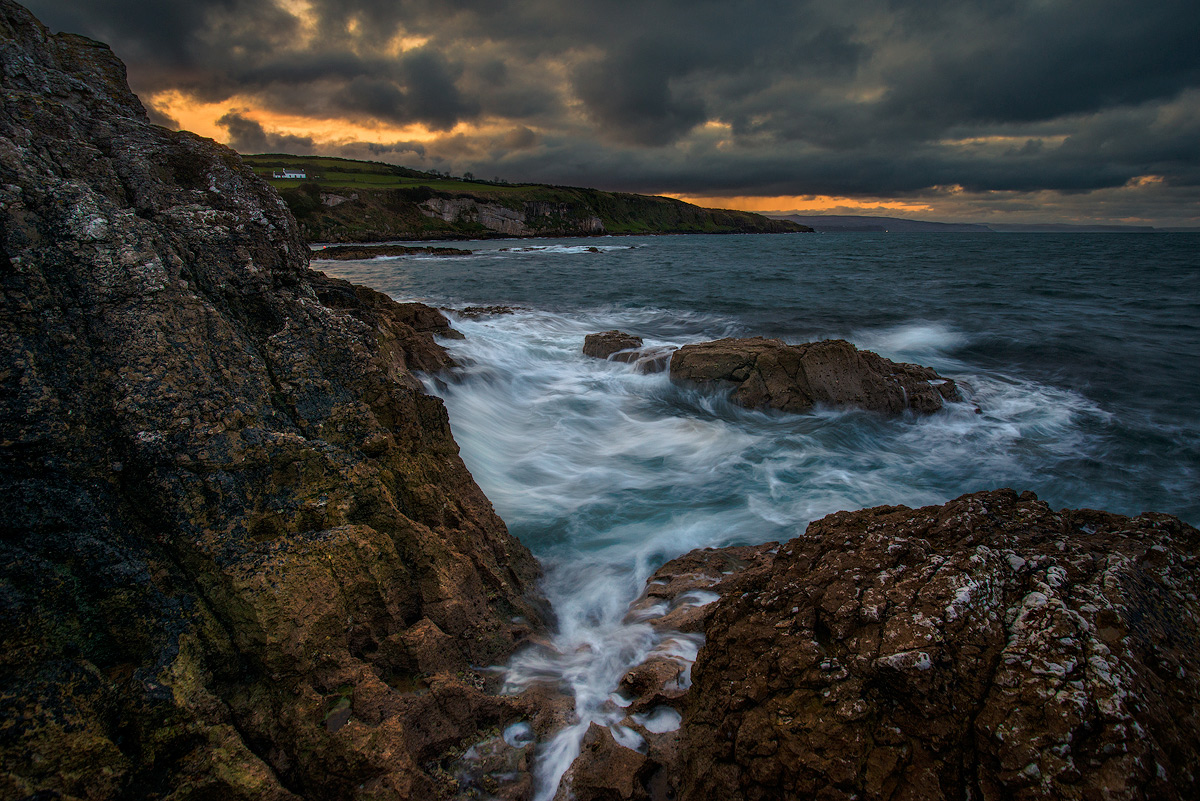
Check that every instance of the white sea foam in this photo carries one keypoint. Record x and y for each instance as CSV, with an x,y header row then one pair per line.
x,y
606,473
560,249
911,341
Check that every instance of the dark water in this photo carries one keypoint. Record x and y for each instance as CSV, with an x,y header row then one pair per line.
x,y
1082,351
1107,323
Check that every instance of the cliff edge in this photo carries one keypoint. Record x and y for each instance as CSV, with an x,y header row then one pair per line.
x,y
240,555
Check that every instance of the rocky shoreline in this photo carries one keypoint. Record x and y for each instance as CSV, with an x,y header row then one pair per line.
x,y
242,558
348,252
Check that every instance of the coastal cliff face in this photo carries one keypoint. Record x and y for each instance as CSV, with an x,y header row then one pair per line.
x,y
532,219
329,213
239,553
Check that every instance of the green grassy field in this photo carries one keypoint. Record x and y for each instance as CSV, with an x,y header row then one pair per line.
x,y
335,173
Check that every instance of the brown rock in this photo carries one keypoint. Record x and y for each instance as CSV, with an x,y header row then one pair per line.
x,y
618,346
988,648
607,343
648,360
652,681
604,770
768,374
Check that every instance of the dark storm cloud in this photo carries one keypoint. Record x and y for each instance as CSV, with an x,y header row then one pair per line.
x,y
248,136
629,93
1045,60
170,42
874,97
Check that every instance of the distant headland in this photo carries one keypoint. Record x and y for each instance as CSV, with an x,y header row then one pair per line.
x,y
861,223
343,200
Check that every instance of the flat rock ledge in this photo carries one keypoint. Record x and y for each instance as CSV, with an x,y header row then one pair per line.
x,y
769,374
987,648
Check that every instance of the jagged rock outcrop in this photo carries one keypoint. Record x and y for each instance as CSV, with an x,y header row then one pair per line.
x,y
239,553
987,648
768,374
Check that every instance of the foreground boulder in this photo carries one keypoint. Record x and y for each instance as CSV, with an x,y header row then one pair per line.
x,y
988,648
239,554
768,374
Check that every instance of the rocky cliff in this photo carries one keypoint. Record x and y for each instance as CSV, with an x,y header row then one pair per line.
x,y
336,204
240,556
533,218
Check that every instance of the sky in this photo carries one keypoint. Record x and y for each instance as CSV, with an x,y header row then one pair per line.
x,y
956,110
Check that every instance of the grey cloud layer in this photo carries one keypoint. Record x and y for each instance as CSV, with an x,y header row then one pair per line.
x,y
820,96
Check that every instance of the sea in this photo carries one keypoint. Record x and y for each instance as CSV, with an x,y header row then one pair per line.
x,y
1081,353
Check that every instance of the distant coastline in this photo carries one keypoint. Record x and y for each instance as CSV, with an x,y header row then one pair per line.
x,y
347,201
851,223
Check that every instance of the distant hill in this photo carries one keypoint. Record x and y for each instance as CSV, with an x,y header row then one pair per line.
x,y
342,200
849,223
1056,228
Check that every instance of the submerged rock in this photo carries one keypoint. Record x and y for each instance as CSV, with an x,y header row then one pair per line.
x,y
768,374
987,648
241,556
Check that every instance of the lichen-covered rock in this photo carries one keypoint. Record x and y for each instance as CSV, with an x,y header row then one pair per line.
x,y
988,648
768,374
239,553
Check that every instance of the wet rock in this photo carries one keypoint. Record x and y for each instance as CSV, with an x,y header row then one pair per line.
x,y
768,374
473,312
618,346
604,771
607,343
649,360
497,767
987,648
657,680
237,533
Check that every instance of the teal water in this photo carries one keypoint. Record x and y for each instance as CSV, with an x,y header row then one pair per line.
x,y
1081,351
